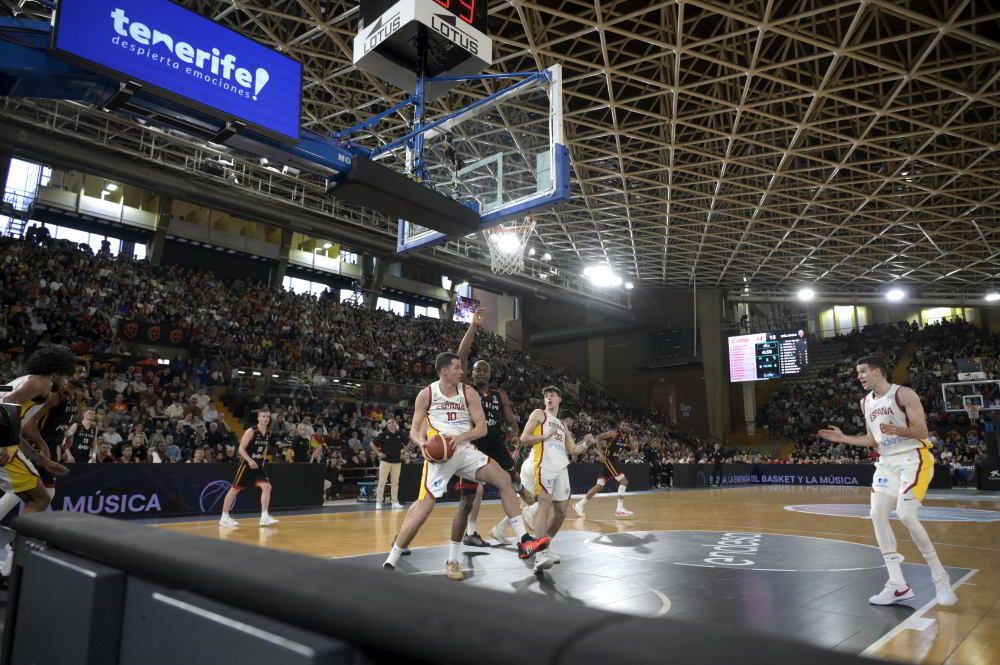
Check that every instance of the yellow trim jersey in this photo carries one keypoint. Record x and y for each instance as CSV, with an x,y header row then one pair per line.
x,y
448,414
888,410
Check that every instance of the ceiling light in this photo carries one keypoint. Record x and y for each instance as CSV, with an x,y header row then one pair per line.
x,y
629,285
327,245
111,187
546,257
992,296
895,295
806,294
602,276
531,251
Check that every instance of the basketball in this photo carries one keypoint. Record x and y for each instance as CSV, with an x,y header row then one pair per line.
x,y
439,449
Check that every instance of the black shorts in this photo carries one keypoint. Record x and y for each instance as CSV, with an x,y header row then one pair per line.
x,y
246,477
609,471
497,451
48,480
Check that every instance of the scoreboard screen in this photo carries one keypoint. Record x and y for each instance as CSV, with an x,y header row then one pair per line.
x,y
768,355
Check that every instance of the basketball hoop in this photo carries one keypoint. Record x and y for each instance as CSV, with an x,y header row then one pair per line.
x,y
506,243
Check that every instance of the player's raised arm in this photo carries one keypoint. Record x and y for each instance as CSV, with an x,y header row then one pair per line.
x,y
418,427
475,404
916,427
465,347
535,420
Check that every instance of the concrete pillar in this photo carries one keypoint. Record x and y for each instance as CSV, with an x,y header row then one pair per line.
x,y
280,266
449,312
5,159
154,252
372,276
750,407
710,303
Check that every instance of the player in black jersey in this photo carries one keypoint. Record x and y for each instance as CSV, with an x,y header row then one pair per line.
x,y
501,428
620,444
79,444
251,471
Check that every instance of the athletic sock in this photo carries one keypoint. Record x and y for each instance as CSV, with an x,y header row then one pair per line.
x,y
934,563
517,523
394,555
621,505
454,551
582,502
225,516
471,528
893,563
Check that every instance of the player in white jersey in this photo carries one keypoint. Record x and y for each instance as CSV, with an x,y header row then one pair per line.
x,y
454,410
897,426
545,471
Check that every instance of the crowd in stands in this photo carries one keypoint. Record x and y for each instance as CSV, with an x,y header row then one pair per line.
x,y
55,293
831,395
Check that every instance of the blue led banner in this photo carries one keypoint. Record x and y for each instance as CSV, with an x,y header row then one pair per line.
x,y
189,57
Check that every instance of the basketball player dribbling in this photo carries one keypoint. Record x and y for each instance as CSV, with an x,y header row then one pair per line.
x,y
897,426
620,444
453,409
500,427
251,471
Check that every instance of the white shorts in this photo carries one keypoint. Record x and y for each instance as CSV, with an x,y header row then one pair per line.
x,y
904,474
555,483
464,464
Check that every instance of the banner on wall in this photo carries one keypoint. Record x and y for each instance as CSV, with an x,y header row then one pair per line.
x,y
157,490
824,475
166,334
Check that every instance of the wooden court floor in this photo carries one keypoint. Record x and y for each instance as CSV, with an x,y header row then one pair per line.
x,y
967,633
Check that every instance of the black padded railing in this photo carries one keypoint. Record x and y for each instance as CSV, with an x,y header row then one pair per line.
x,y
392,617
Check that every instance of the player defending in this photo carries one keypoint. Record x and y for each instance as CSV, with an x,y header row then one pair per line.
x,y
500,426
898,427
620,444
251,471
545,470
452,409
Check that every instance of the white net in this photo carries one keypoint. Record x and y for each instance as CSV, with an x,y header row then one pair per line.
x,y
506,243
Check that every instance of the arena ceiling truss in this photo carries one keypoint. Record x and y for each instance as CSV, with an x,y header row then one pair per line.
x,y
843,143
